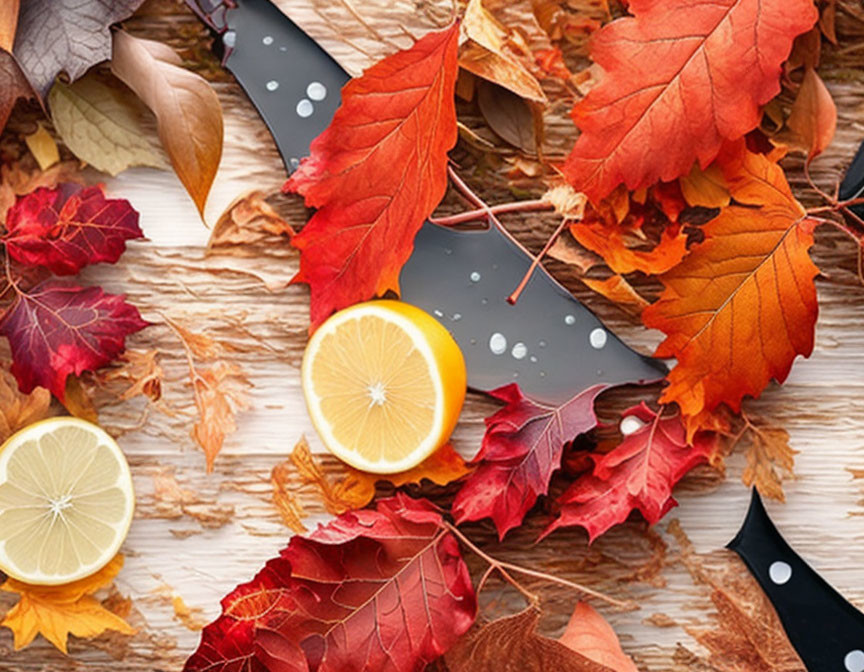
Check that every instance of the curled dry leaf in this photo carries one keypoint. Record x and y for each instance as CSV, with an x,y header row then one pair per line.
x,y
512,643
486,55
566,249
814,115
139,371
103,123
705,188
681,76
188,114
13,84
322,605
566,200
286,502
56,612
742,305
68,36
219,394
638,474
69,227
400,112
172,501
17,410
508,115
249,220
521,449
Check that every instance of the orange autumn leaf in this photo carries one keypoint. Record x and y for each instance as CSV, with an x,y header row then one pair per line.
x,y
770,458
705,188
680,77
588,633
56,612
610,242
618,290
17,410
376,173
814,115
739,309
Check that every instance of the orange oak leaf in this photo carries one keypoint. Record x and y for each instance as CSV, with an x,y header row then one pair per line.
x,y
680,77
742,305
376,173
638,474
56,612
814,115
589,634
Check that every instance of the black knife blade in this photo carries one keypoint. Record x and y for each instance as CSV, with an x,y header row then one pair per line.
x,y
825,629
852,185
549,343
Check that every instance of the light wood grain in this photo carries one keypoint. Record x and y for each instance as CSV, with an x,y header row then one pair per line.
x,y
224,296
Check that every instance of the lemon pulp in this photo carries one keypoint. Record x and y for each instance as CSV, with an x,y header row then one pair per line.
x,y
66,501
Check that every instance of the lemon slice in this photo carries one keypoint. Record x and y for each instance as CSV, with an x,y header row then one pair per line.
x,y
66,501
384,383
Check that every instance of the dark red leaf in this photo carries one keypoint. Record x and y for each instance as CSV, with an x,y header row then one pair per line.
x,y
68,227
57,329
373,590
639,474
521,448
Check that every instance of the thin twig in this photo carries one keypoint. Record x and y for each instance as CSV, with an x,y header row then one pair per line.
x,y
482,213
514,297
502,568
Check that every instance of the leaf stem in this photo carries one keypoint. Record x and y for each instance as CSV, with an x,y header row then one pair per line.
x,y
501,567
481,213
514,297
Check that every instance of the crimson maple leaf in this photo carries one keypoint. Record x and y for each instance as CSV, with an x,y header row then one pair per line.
x,y
680,76
68,227
376,173
372,590
56,329
521,449
639,474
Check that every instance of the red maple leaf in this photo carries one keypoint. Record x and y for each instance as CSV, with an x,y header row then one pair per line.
x,y
521,449
639,474
68,227
680,76
56,329
372,590
376,173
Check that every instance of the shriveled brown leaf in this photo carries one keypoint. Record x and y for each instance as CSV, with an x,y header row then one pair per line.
x,y
249,220
567,250
139,372
512,643
618,291
770,459
13,85
286,502
188,114
18,410
219,394
508,115
566,200
813,118
486,54
172,501
746,635
588,633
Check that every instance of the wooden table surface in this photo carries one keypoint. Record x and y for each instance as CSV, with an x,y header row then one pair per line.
x,y
229,527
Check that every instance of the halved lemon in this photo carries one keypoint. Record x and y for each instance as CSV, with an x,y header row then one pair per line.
x,y
66,501
384,383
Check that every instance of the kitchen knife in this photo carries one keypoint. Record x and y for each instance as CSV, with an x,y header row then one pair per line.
x,y
825,629
852,185
549,343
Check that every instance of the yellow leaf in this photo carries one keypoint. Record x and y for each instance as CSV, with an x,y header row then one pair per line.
x,y
56,612
42,147
705,188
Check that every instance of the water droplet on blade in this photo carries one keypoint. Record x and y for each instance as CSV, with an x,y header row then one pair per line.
x,y
497,343
519,351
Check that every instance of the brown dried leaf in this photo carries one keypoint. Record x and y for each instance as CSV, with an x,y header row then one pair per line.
x,y
566,249
13,85
139,371
287,503
566,200
588,633
172,501
188,114
219,394
508,115
18,410
78,400
249,220
770,459
512,643
813,118
747,635
618,291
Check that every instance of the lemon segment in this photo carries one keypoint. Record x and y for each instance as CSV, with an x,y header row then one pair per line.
x,y
66,501
384,384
